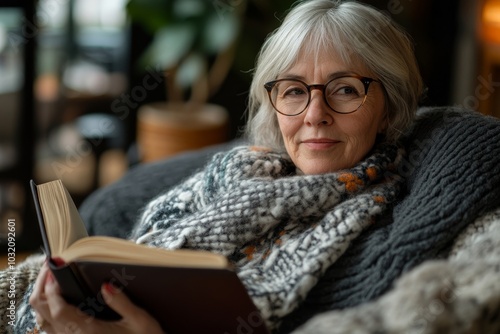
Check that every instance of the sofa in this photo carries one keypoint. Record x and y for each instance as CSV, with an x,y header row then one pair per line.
x,y
452,171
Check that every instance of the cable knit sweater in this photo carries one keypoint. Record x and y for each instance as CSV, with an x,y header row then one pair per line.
x,y
454,178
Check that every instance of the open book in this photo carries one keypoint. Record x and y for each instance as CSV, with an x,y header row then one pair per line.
x,y
187,291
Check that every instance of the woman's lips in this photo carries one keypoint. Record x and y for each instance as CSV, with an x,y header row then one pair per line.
x,y
320,143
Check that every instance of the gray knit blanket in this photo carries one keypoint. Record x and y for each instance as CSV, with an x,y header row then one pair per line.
x,y
280,228
459,294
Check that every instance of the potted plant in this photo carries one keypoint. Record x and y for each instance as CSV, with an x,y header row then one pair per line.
x,y
194,43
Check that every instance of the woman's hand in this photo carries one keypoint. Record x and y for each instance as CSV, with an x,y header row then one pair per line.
x,y
57,316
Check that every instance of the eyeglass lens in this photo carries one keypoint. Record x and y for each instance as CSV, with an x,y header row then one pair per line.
x,y
344,95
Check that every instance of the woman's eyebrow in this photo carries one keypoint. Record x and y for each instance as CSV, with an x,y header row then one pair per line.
x,y
341,74
331,76
291,76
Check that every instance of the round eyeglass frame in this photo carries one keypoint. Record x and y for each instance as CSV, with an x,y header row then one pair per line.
x,y
365,80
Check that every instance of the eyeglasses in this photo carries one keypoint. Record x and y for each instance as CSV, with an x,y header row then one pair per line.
x,y
343,95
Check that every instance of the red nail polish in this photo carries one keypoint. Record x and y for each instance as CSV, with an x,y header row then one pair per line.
x,y
57,261
111,288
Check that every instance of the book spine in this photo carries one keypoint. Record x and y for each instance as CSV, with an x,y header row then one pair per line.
x,y
41,221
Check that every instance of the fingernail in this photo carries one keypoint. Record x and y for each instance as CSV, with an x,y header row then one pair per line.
x,y
50,278
111,288
58,261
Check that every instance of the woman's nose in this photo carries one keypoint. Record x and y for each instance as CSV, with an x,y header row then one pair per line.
x,y
318,112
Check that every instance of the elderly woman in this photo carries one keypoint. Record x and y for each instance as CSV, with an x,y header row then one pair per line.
x,y
334,89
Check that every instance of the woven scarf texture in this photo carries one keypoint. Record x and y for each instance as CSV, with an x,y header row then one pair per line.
x,y
282,229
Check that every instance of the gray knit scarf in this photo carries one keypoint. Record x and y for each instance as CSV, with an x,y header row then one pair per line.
x,y
282,229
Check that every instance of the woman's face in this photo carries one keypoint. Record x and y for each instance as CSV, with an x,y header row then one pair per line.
x,y
320,140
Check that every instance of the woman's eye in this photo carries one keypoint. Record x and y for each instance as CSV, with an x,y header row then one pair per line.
x,y
294,91
347,90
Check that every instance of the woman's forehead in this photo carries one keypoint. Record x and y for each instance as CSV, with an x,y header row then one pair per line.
x,y
325,57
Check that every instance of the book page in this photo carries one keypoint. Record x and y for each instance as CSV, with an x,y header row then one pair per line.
x,y
109,249
63,224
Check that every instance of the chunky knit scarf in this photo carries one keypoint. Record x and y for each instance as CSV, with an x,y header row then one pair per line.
x,y
282,229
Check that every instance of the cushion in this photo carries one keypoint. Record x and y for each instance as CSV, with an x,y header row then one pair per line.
x,y
114,209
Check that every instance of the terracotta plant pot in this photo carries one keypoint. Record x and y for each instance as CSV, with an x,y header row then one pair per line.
x,y
165,129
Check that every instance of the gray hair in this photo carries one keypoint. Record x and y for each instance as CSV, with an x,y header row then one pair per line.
x,y
355,32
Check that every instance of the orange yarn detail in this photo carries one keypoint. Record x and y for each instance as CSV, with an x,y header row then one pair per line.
x,y
379,199
372,173
249,251
351,181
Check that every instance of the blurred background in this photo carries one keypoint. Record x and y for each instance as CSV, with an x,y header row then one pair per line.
x,y
85,84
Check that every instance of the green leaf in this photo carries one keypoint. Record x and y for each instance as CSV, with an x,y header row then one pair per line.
x,y
190,70
151,14
170,45
219,32
189,8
